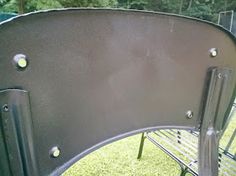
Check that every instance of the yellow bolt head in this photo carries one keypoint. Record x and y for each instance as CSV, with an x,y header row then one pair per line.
x,y
22,63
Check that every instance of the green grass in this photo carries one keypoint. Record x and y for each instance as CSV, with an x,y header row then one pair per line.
x,y
120,159
228,132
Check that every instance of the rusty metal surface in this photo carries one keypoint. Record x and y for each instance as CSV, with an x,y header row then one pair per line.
x,y
98,75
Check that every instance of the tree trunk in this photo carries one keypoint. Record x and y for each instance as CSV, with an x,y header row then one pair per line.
x,y
190,4
21,6
181,6
226,4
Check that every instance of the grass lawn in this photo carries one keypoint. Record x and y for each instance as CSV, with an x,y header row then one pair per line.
x,y
119,159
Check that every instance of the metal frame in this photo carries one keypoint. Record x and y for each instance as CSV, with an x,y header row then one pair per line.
x,y
174,142
185,167
231,20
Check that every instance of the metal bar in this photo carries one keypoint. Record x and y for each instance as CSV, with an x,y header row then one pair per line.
x,y
230,141
141,146
232,112
229,155
183,147
220,90
184,142
228,162
181,162
225,162
231,21
184,171
226,168
178,137
176,148
189,141
227,165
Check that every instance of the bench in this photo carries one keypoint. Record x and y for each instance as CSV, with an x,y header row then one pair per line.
x,y
182,146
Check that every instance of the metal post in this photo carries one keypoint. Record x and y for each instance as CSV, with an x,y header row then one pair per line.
x,y
179,137
215,115
18,152
230,141
141,146
184,171
231,21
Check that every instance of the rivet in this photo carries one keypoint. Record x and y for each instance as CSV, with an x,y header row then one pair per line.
x,y
5,108
213,52
20,61
55,152
189,114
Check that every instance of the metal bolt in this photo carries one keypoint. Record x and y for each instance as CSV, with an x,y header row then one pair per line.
x,y
55,152
5,108
20,61
219,75
189,114
213,52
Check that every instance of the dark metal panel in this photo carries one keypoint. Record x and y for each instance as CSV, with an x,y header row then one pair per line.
x,y
96,74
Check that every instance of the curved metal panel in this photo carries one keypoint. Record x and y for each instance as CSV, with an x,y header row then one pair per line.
x,y
95,74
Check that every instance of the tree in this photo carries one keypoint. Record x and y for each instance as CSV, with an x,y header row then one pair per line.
x,y
201,11
33,5
204,9
9,6
88,3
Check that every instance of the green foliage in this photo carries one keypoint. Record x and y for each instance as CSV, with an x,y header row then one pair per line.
x,y
204,9
138,4
42,4
133,4
8,6
88,3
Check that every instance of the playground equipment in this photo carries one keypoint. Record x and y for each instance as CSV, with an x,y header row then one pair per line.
x,y
74,80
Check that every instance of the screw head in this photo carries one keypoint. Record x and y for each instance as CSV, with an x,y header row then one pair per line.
x,y
189,114
220,75
5,108
213,52
20,61
55,152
